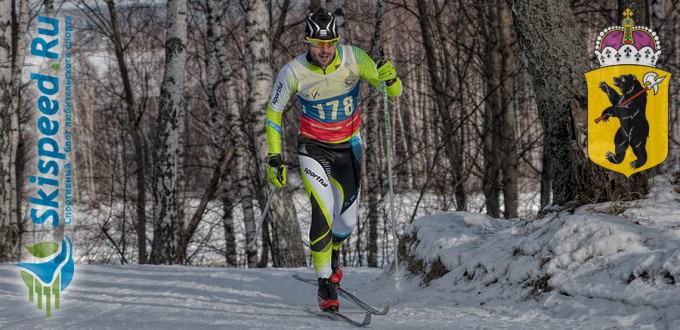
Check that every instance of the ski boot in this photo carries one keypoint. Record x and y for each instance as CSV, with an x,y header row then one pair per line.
x,y
327,296
336,277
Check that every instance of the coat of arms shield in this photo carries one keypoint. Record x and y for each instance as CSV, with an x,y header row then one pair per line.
x,y
627,100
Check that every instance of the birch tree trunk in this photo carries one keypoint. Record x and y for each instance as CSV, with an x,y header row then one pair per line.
x,y
337,7
509,157
134,129
236,135
372,189
17,98
9,228
287,250
218,67
12,55
416,154
231,258
166,150
656,15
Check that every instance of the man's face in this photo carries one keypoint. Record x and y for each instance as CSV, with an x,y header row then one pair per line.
x,y
322,52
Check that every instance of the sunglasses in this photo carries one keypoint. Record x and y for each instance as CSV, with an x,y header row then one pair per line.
x,y
322,43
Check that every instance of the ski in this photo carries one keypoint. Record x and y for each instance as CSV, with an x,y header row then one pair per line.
x,y
349,296
337,316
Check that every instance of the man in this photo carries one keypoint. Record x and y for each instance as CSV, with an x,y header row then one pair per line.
x,y
326,81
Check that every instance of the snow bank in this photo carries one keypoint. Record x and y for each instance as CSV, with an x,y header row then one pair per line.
x,y
583,265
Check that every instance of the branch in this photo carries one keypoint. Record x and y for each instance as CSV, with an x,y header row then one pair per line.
x,y
207,196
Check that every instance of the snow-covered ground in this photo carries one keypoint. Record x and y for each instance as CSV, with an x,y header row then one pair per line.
x,y
156,297
606,266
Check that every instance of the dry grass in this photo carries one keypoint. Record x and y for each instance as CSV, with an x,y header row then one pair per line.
x,y
429,272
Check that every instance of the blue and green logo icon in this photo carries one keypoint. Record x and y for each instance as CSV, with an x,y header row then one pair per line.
x,y
49,278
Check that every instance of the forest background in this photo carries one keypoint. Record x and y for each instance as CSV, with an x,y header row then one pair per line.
x,y
169,101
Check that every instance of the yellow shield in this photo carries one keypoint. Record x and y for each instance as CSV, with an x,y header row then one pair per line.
x,y
628,117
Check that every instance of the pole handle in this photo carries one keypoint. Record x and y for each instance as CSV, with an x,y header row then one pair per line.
x,y
382,56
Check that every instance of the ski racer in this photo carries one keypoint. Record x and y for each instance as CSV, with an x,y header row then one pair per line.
x,y
326,80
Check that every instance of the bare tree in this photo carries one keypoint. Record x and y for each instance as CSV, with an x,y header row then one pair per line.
x,y
493,109
166,150
133,117
218,123
12,53
372,189
286,245
218,67
557,86
509,157
557,67
442,82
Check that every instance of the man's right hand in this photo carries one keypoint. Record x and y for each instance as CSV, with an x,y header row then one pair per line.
x,y
276,171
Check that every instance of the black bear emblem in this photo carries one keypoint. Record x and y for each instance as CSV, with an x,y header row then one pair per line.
x,y
634,129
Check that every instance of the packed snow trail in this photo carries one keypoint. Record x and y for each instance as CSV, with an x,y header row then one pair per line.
x,y
177,297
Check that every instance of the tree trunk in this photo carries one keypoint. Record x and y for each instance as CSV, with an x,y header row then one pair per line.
x,y
315,4
228,224
166,150
556,63
12,55
372,189
16,167
509,157
675,99
546,177
8,218
213,186
337,7
216,62
492,113
287,250
640,9
656,15
440,83
637,185
137,140
236,135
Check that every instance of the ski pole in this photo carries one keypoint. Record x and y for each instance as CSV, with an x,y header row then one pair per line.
x,y
388,147
266,206
264,214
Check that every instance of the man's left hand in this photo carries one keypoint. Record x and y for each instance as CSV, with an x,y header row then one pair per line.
x,y
386,72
